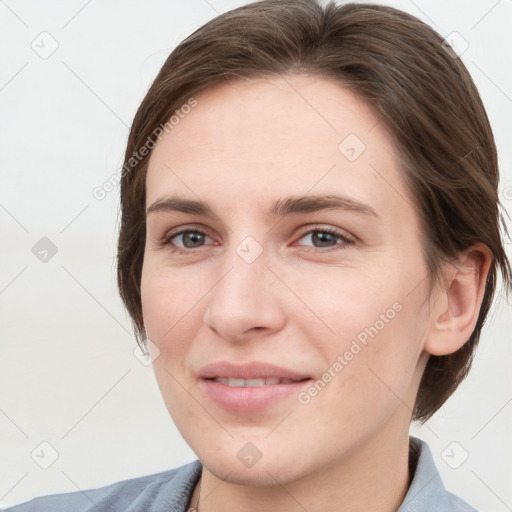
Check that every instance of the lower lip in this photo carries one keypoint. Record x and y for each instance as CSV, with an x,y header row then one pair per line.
x,y
249,398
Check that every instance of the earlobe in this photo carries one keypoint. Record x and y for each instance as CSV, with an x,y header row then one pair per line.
x,y
457,305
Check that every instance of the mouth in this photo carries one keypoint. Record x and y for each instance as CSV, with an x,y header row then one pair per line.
x,y
256,382
252,373
251,386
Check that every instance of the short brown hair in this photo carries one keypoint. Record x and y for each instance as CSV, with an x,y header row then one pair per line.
x,y
418,87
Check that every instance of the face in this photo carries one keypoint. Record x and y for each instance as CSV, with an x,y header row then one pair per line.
x,y
264,283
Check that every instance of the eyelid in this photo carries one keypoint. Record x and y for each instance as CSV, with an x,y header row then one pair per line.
x,y
329,229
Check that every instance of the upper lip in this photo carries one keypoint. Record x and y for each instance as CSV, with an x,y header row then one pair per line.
x,y
249,370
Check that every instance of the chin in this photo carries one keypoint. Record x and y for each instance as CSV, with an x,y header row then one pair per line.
x,y
262,474
264,463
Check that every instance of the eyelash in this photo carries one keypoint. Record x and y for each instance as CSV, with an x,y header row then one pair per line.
x,y
166,241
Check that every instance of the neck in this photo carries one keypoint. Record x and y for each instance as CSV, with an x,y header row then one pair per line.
x,y
375,477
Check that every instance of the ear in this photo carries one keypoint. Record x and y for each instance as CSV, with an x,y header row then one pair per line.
x,y
457,303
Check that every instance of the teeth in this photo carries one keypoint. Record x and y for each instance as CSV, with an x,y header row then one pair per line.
x,y
253,382
236,382
269,381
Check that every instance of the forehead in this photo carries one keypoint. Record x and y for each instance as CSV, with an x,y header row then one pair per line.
x,y
269,137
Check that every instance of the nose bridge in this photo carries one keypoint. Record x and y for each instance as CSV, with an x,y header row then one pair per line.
x,y
240,299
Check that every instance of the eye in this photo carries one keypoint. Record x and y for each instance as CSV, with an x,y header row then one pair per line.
x,y
327,235
191,238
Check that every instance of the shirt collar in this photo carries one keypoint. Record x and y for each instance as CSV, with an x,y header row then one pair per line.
x,y
427,491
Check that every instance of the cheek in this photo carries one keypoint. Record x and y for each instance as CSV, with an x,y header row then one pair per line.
x,y
168,303
155,299
169,317
353,305
377,328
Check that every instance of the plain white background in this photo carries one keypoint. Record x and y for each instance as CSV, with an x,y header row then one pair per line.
x,y
69,375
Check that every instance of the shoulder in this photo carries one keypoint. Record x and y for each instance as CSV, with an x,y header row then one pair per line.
x,y
427,492
168,490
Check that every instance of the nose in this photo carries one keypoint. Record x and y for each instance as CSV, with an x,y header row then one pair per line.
x,y
245,301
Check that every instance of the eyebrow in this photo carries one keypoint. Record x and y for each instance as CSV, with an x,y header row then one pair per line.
x,y
292,205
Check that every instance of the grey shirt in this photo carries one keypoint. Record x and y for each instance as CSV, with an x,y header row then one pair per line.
x,y
171,491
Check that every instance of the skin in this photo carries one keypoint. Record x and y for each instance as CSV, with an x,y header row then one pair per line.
x,y
300,303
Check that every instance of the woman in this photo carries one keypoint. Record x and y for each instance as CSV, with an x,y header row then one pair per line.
x,y
309,247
